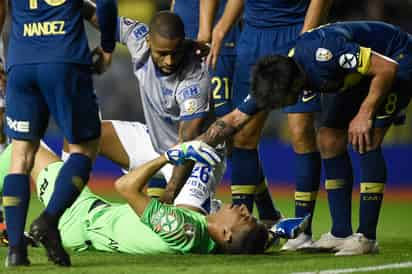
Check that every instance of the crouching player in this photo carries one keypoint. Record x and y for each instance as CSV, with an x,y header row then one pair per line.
x,y
368,66
145,225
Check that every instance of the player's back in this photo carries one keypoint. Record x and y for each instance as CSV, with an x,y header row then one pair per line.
x,y
47,31
274,13
384,38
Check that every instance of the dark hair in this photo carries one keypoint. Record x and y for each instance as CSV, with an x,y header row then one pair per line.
x,y
248,241
273,81
168,25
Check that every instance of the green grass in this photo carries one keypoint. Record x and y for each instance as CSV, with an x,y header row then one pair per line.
x,y
394,238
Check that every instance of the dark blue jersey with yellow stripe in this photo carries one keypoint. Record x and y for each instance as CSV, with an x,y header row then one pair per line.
x,y
47,31
275,13
337,56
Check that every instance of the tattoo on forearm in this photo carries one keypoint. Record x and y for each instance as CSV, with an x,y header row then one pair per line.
x,y
218,132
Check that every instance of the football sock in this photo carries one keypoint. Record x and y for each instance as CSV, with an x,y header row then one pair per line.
x,y
264,201
245,176
338,184
16,196
373,178
73,176
156,187
308,166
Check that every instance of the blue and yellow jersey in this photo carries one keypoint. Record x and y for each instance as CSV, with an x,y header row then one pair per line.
x,y
188,10
47,31
275,13
337,56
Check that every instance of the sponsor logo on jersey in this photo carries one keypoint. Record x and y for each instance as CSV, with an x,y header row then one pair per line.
x,y
189,92
247,98
140,31
348,61
323,55
18,126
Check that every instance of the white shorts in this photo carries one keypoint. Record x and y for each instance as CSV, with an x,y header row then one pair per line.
x,y
201,185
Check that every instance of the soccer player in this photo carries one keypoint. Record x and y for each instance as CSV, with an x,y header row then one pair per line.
x,y
174,87
369,67
145,225
199,17
269,25
49,72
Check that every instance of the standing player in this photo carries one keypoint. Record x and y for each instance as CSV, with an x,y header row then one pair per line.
x,y
373,90
49,72
269,25
198,17
175,89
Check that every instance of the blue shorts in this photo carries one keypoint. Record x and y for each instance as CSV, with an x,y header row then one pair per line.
x,y
257,43
339,109
34,91
221,84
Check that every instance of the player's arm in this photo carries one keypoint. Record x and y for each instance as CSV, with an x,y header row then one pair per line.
x,y
188,130
131,185
172,5
383,72
232,13
207,13
316,14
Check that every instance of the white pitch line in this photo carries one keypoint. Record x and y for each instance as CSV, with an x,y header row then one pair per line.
x,y
360,269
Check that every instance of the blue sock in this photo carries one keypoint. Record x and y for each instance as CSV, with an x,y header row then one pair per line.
x,y
73,176
245,176
307,168
156,187
264,202
16,196
339,183
373,178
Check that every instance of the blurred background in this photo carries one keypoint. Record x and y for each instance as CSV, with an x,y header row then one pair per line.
x,y
120,100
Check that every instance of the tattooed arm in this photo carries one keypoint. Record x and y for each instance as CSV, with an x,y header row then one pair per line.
x,y
225,127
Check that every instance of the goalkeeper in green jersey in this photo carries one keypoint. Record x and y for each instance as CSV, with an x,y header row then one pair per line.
x,y
145,225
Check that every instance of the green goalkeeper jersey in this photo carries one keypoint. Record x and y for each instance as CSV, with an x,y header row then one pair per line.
x,y
184,230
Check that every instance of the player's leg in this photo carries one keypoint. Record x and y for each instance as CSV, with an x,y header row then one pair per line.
x,y
26,117
372,184
72,102
247,171
307,163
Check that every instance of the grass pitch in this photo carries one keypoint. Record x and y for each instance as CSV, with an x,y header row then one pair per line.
x,y
394,235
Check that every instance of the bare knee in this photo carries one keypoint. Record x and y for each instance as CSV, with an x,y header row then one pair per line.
x,y
302,131
332,142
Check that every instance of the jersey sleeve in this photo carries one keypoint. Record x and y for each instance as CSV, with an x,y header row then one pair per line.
x,y
193,97
133,34
331,63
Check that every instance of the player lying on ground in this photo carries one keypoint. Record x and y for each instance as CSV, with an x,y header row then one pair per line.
x,y
373,90
145,225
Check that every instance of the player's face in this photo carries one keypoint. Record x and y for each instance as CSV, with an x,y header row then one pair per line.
x,y
235,217
167,54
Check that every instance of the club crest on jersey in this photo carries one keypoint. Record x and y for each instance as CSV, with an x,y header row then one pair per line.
x,y
348,61
323,55
190,106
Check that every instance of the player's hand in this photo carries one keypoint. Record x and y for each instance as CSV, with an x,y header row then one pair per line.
x,y
201,49
360,133
101,60
290,228
217,40
197,151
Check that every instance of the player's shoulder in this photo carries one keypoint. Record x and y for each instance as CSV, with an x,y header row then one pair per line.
x,y
193,69
133,29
